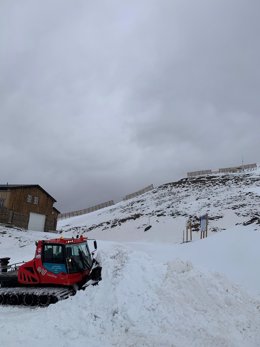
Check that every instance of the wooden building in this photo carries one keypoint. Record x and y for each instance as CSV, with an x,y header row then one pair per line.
x,y
27,206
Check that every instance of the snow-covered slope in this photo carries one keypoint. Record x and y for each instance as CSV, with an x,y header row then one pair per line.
x,y
155,290
229,200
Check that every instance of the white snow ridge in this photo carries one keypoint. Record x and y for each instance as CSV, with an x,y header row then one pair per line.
x,y
156,291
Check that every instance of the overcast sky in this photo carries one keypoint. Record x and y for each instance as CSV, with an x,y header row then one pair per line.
x,y
101,98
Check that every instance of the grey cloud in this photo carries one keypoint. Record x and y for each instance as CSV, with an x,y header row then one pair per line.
x,y
98,99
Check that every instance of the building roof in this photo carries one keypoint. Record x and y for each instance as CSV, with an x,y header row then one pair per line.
x,y
17,186
56,210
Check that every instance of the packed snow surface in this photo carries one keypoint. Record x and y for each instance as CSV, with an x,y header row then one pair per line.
x,y
152,294
156,290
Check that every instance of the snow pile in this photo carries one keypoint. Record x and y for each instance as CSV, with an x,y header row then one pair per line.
x,y
234,253
141,302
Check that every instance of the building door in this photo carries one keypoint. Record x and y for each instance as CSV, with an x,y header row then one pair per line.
x,y
36,221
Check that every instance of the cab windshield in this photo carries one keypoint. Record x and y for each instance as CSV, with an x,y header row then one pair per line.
x,y
78,257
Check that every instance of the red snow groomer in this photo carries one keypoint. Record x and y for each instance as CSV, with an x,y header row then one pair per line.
x,y
59,268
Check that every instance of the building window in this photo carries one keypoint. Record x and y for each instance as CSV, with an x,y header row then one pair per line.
x,y
29,198
2,202
36,200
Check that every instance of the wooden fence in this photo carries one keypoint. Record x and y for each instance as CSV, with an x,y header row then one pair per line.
x,y
103,205
240,168
139,192
86,210
199,173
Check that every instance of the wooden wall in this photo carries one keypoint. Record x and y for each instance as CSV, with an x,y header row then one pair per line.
x,y
17,207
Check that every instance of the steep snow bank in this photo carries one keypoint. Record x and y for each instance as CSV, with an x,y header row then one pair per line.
x,y
141,302
234,252
150,295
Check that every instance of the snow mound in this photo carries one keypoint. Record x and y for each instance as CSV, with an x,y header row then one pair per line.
x,y
141,302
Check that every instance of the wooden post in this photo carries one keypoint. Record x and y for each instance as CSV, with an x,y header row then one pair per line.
x,y
207,225
187,234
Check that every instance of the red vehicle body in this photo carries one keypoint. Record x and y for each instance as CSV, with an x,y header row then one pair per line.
x,y
59,261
